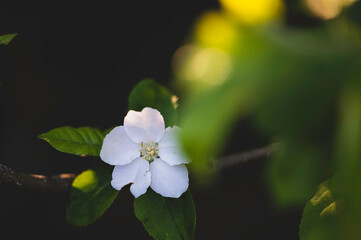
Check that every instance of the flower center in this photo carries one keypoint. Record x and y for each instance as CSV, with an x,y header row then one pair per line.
x,y
149,150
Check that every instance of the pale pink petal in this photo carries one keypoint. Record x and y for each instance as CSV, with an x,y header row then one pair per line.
x,y
168,181
170,149
147,125
137,173
118,148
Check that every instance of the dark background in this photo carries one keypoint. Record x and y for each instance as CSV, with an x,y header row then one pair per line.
x,y
75,65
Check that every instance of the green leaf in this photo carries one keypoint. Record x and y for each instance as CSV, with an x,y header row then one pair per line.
x,y
319,216
148,93
349,152
166,218
293,171
91,196
334,212
79,141
6,39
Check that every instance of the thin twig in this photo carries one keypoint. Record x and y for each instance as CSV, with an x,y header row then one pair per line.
x,y
62,182
41,183
238,158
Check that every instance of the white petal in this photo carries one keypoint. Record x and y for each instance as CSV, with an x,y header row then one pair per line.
x,y
136,172
170,149
118,148
170,138
147,125
168,181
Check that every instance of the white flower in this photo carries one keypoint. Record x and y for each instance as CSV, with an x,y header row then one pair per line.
x,y
146,154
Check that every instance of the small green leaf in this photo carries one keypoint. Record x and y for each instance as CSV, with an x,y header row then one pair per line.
x,y
91,196
79,141
148,93
319,216
166,218
6,39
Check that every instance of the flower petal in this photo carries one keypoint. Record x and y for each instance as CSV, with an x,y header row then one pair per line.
x,y
118,148
170,138
170,149
136,173
147,125
168,181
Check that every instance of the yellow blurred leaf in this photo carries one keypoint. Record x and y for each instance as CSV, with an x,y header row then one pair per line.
x,y
253,11
216,31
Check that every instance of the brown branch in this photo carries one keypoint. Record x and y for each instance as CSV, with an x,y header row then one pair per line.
x,y
238,158
34,182
62,182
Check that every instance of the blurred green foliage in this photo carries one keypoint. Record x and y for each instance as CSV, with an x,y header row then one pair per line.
x,y
319,220
300,86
